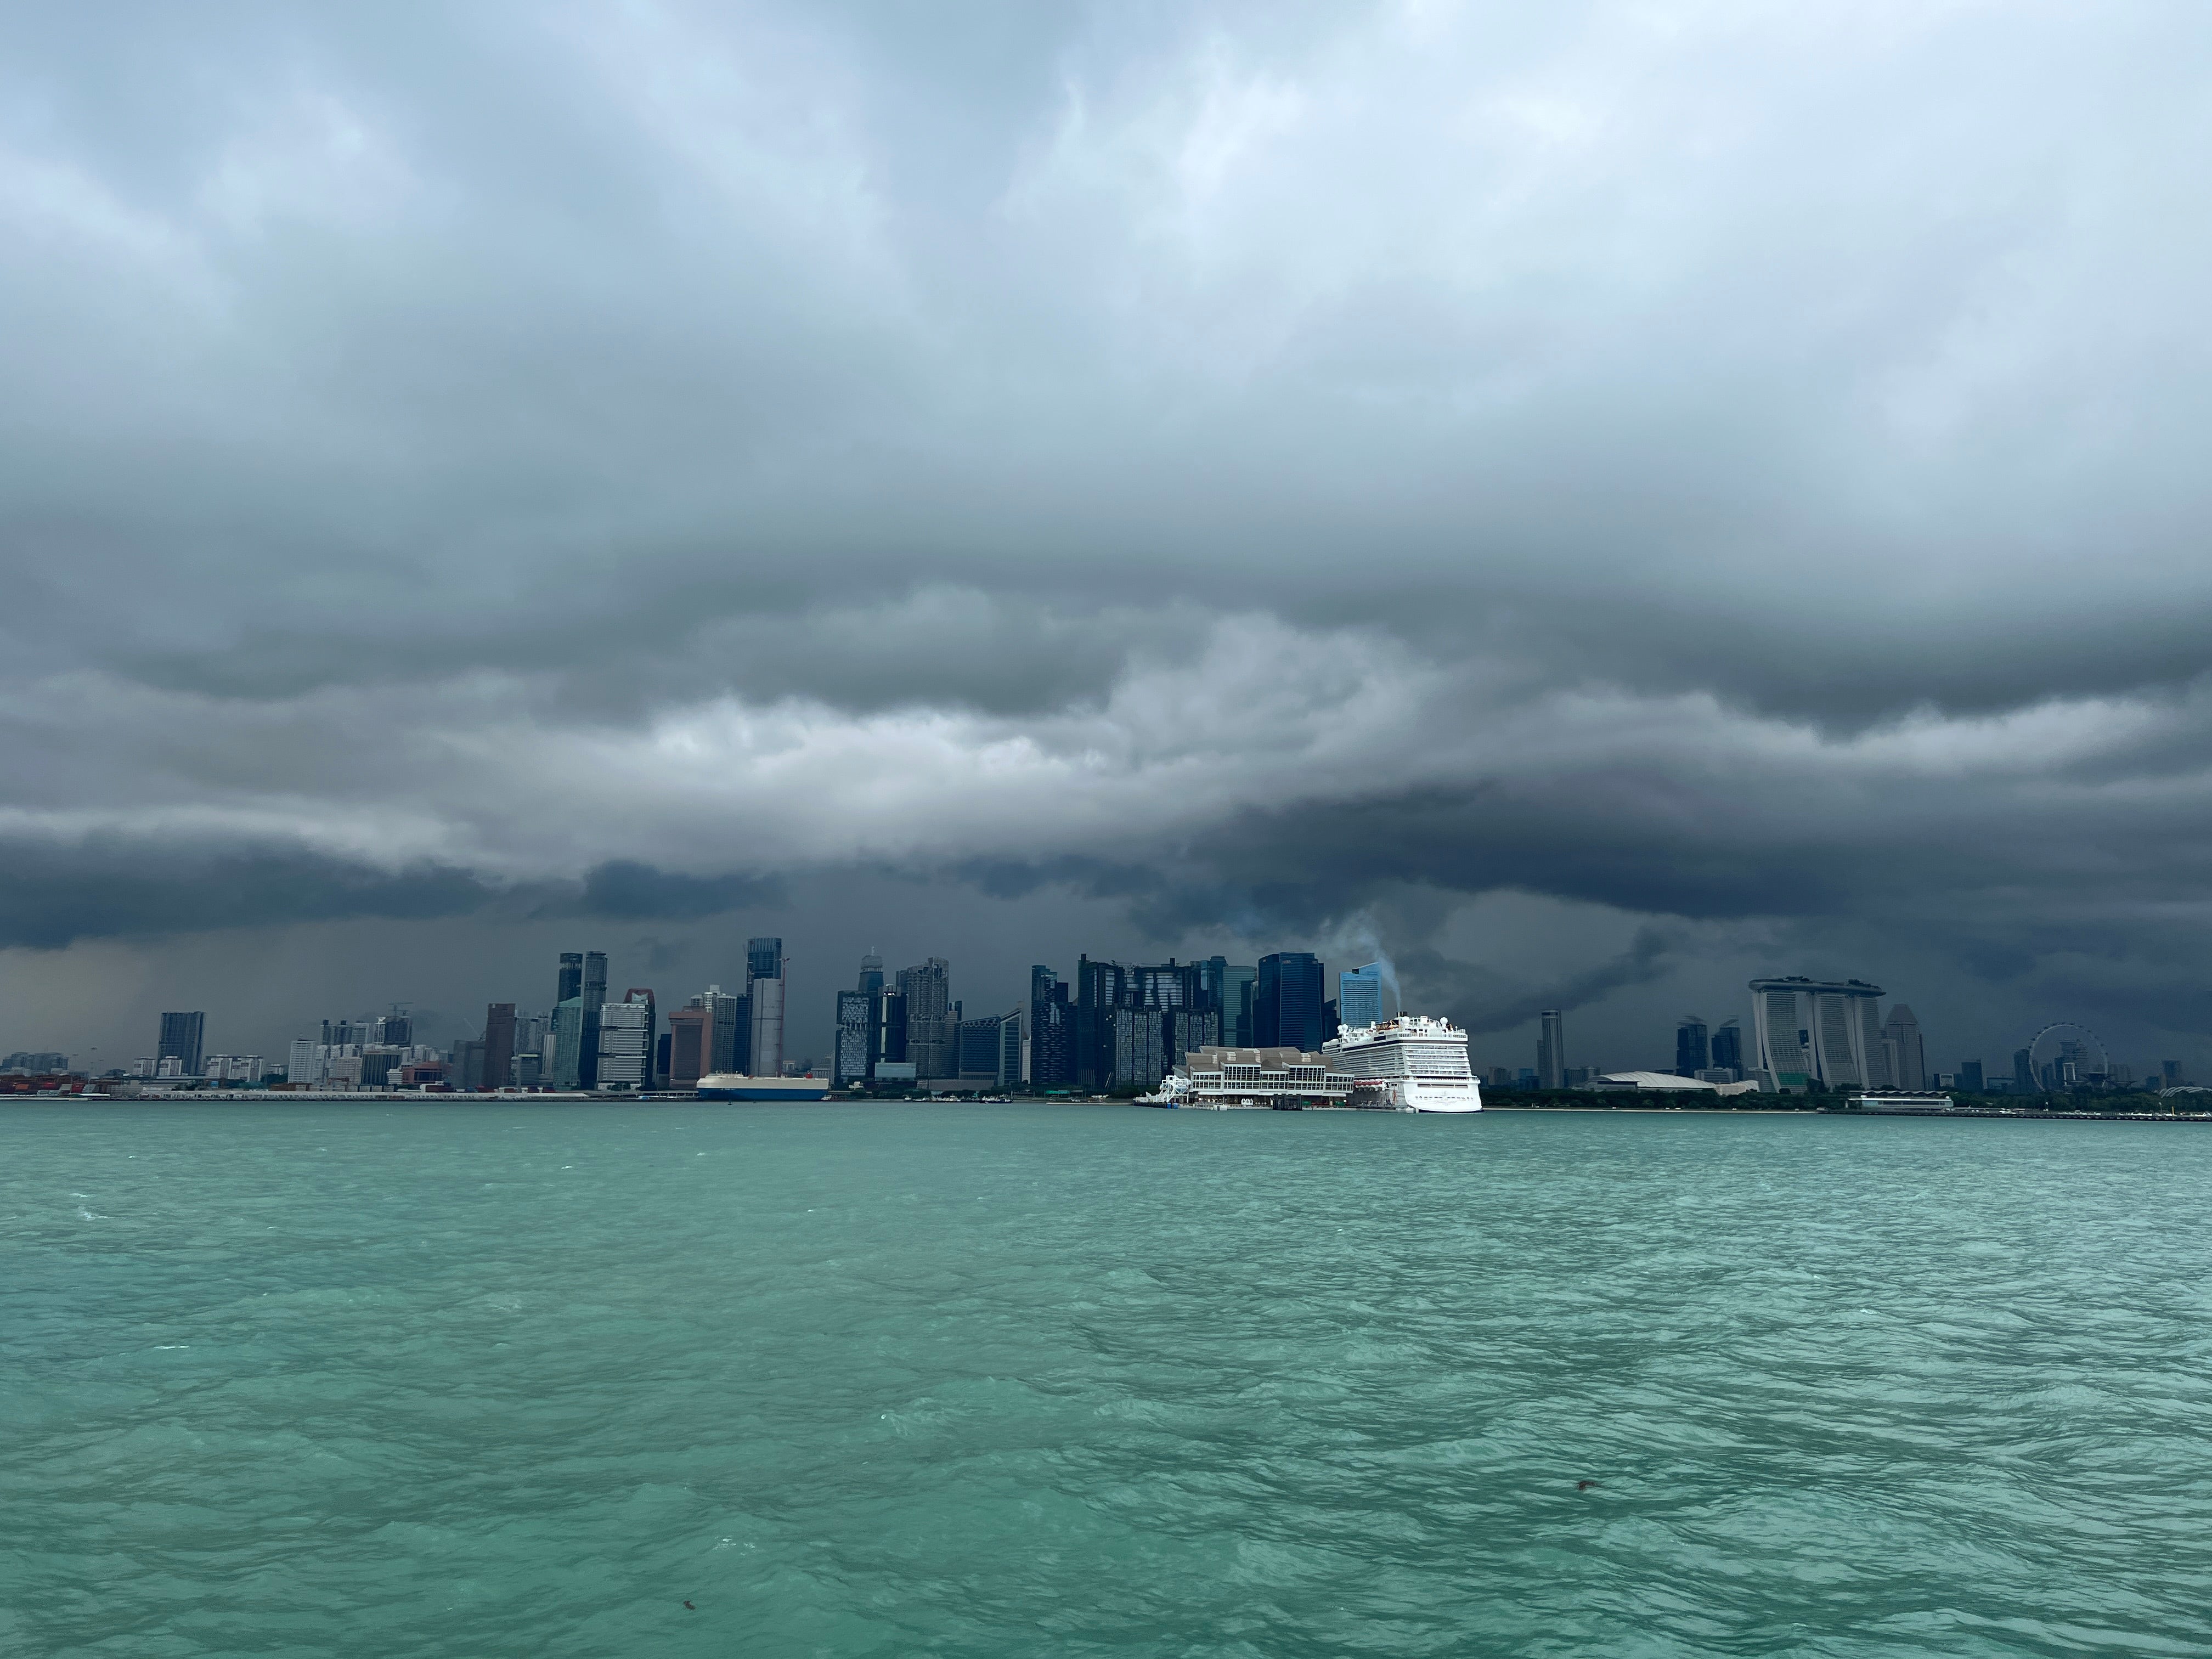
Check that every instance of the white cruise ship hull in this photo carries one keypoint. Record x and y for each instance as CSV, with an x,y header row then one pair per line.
x,y
1410,1063
1411,1097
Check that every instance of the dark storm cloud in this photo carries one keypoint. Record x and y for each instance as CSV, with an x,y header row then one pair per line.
x,y
111,887
1247,465
626,890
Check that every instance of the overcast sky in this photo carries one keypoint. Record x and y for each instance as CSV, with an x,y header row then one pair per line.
x,y
1597,499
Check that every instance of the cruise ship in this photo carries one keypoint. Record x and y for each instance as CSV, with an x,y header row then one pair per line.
x,y
1411,1063
735,1085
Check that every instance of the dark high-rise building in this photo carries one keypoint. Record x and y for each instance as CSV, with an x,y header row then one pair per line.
x,y
872,973
891,1030
1286,1002
568,1042
929,1036
572,975
1212,973
1242,987
1691,1053
660,1058
1551,1050
1902,1048
1189,1029
468,1069
1051,1032
728,1031
990,1050
855,1031
595,997
394,1027
1100,989
1140,1048
499,1045
690,1045
1331,1021
1970,1076
2169,1072
1169,984
1728,1046
2024,1079
181,1036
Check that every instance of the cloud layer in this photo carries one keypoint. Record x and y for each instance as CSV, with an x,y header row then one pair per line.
x,y
1275,470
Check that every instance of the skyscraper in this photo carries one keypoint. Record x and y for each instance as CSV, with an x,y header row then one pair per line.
x,y
991,1050
1902,1049
181,1036
1287,1002
2024,1080
1051,1032
1552,1050
852,1063
626,1041
1140,1046
1692,1053
568,1041
890,1027
1970,1076
929,1005
1728,1046
644,994
594,997
1243,991
764,985
572,977
499,1045
1100,989
1359,996
871,973
691,1044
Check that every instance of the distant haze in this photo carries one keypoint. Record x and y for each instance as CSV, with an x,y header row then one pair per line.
x,y
1594,501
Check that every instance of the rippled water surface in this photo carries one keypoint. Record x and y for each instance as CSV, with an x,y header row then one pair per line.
x,y
467,1381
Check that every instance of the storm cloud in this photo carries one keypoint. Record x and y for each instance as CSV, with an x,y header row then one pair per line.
x,y
1594,499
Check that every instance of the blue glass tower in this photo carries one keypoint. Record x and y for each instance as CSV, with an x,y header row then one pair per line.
x,y
1359,996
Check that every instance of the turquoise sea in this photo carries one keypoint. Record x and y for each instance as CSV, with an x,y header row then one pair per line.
x,y
459,1380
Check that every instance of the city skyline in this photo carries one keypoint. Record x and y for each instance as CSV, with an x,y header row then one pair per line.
x,y
1802,1032
1191,486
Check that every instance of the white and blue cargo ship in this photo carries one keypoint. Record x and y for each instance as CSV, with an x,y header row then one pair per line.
x,y
735,1085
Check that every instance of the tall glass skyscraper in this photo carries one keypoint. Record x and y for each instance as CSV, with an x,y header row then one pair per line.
x,y
1359,996
1051,1032
181,1036
1286,1002
594,997
1691,1050
764,986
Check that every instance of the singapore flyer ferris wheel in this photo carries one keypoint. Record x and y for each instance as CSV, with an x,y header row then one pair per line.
x,y
2066,1053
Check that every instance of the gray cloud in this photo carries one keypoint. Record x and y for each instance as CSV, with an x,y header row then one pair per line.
x,y
624,890
1234,469
110,887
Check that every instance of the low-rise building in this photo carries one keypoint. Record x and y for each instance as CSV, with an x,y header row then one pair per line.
x,y
1222,1078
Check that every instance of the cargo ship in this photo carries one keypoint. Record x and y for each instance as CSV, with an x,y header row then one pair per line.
x,y
735,1085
